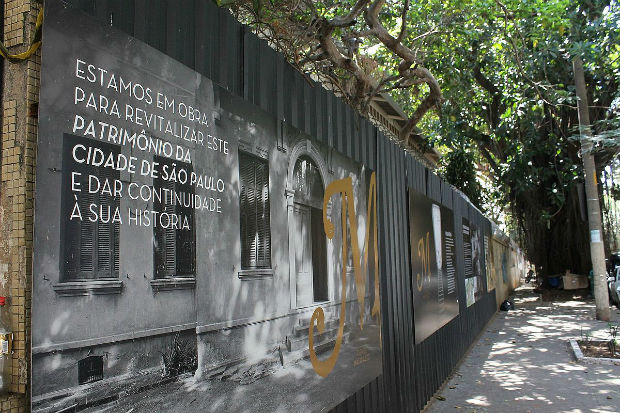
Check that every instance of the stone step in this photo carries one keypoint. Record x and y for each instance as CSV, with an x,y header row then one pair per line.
x,y
304,329
289,358
301,342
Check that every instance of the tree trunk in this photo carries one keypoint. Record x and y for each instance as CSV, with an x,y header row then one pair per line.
x,y
597,250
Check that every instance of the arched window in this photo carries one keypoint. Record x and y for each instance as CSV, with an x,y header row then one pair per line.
x,y
307,182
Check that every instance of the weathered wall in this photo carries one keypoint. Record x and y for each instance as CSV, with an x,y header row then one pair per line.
x,y
507,266
19,130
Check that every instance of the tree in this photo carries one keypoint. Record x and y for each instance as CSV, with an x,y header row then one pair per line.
x,y
506,75
597,251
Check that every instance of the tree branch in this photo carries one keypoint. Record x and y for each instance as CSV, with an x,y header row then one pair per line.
x,y
423,35
496,107
489,158
423,107
403,21
434,97
372,19
363,81
349,19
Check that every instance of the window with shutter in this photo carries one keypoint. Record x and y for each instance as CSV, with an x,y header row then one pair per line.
x,y
255,223
174,250
91,249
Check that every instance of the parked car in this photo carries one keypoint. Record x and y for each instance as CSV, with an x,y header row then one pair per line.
x,y
613,284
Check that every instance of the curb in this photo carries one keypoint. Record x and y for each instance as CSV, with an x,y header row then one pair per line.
x,y
580,358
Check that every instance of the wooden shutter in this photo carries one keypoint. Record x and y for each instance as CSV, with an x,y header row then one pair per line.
x,y
263,228
116,255
255,228
170,239
91,249
175,249
164,252
104,247
186,238
246,206
88,237
80,236
107,232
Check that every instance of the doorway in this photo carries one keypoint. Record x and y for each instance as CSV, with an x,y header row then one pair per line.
x,y
308,241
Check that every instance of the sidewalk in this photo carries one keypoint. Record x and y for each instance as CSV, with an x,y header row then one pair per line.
x,y
521,363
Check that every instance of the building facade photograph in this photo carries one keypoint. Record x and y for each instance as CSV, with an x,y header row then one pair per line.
x,y
181,229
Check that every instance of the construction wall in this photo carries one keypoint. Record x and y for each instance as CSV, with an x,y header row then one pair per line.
x,y
246,67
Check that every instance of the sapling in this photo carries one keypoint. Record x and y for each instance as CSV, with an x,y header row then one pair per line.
x,y
586,338
613,343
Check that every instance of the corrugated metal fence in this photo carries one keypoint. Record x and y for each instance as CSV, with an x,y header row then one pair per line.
x,y
210,40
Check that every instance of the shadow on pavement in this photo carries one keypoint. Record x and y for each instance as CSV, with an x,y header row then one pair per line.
x,y
521,363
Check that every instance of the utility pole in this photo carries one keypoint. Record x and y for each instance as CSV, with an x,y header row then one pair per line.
x,y
597,250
